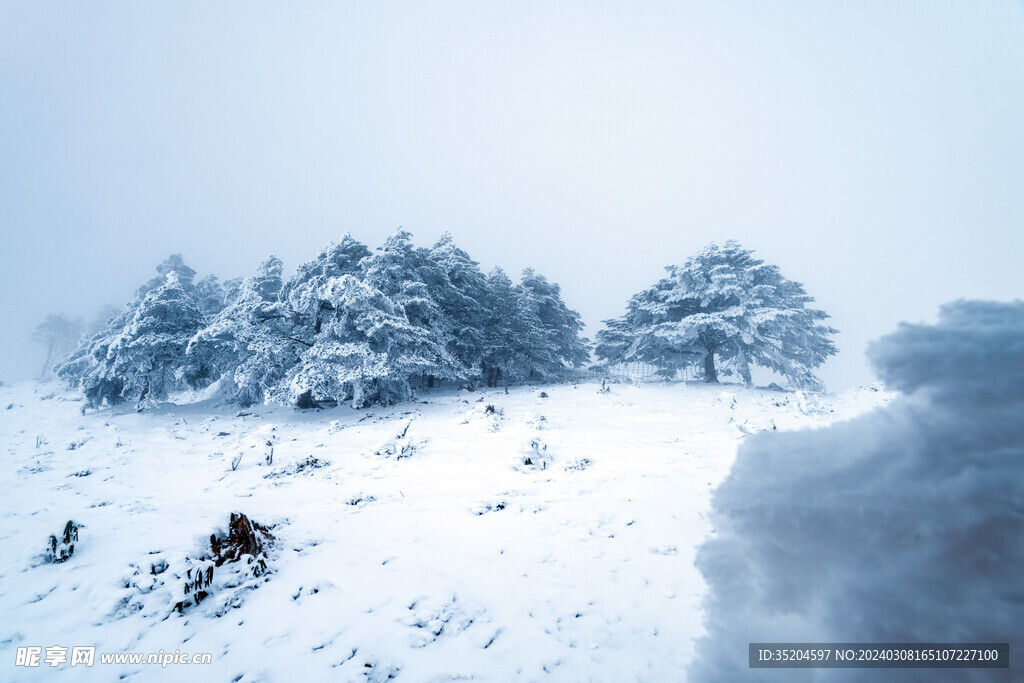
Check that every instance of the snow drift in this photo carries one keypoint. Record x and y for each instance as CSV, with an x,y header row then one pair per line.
x,y
902,525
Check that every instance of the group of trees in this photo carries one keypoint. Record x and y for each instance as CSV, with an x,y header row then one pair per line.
x,y
365,326
349,325
722,306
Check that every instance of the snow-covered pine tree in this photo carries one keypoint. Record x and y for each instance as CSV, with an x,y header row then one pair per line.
x,y
725,303
175,263
628,339
562,324
232,288
146,360
60,335
303,291
149,356
516,344
90,366
405,275
250,344
209,295
460,290
92,345
366,349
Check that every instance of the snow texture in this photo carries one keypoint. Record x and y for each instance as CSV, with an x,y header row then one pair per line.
x,y
902,525
410,541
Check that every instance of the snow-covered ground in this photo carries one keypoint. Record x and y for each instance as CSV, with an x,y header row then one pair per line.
x,y
554,536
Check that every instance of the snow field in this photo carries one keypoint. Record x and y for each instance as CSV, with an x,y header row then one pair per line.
x,y
412,542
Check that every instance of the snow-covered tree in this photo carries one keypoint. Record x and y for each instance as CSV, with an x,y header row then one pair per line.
x,y
366,348
90,366
408,277
209,295
516,344
175,263
232,288
460,290
87,367
146,358
149,356
60,335
562,324
303,292
623,340
723,303
250,344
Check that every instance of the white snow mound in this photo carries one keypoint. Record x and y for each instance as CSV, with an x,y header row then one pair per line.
x,y
902,525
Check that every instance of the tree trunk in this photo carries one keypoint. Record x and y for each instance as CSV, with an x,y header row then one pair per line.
x,y
744,367
46,363
710,375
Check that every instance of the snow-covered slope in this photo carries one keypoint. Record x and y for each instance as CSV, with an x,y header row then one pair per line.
x,y
433,540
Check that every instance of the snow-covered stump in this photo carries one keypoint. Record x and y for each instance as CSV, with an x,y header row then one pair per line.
x,y
237,557
61,549
535,421
488,414
533,455
259,446
243,538
233,562
401,446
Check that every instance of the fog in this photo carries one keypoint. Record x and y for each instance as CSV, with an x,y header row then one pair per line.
x,y
873,150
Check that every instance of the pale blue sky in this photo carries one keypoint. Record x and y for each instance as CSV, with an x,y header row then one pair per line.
x,y
874,150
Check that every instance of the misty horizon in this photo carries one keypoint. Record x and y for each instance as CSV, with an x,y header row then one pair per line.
x,y
873,155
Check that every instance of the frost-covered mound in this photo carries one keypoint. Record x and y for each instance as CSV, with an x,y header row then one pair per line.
x,y
905,524
538,534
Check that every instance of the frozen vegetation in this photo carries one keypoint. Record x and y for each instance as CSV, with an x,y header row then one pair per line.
x,y
370,328
349,325
723,305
